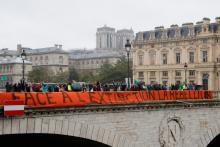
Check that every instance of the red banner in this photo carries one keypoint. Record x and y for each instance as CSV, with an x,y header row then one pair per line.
x,y
63,99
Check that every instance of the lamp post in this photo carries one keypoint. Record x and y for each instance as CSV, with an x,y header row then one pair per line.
x,y
128,49
23,56
185,68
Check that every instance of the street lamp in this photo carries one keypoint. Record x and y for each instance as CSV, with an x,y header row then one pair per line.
x,y
23,56
185,68
128,49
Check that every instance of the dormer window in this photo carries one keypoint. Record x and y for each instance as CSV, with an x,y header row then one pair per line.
x,y
158,34
171,33
184,31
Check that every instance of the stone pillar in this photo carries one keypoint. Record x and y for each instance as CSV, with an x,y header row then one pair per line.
x,y
184,55
218,81
158,77
198,54
158,56
211,81
210,55
199,78
146,77
170,77
146,58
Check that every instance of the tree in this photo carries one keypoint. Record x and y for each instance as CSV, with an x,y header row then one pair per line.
x,y
117,72
61,77
88,77
73,74
39,74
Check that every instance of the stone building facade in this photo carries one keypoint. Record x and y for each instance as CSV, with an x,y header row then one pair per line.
x,y
11,70
109,49
90,61
53,58
108,38
159,56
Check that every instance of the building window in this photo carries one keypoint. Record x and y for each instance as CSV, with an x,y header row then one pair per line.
x,y
60,59
141,76
140,59
11,68
165,73
152,57
192,73
61,69
31,59
41,60
177,58
164,58
8,68
204,56
178,73
205,41
152,73
46,60
191,57
35,58
3,68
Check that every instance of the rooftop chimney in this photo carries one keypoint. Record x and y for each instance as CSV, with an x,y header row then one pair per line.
x,y
159,28
60,46
174,26
206,20
217,19
199,22
187,24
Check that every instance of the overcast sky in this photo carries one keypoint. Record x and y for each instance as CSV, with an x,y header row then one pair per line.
x,y
73,23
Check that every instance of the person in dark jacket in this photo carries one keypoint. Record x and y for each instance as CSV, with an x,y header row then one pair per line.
x,y
8,87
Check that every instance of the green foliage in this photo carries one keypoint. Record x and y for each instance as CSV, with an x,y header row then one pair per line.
x,y
118,72
87,77
73,74
39,74
107,73
61,77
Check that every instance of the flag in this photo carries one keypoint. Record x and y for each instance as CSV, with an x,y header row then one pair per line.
x,y
14,108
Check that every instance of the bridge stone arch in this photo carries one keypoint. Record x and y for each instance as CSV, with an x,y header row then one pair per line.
x,y
67,127
210,134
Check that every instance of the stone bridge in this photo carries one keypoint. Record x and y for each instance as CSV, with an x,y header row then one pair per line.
x,y
170,124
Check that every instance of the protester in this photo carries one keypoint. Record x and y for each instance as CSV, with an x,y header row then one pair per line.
x,y
111,86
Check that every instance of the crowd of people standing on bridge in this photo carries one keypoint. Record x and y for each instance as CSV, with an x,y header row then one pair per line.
x,y
98,86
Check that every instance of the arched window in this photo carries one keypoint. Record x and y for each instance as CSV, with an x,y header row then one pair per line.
x,y
164,56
